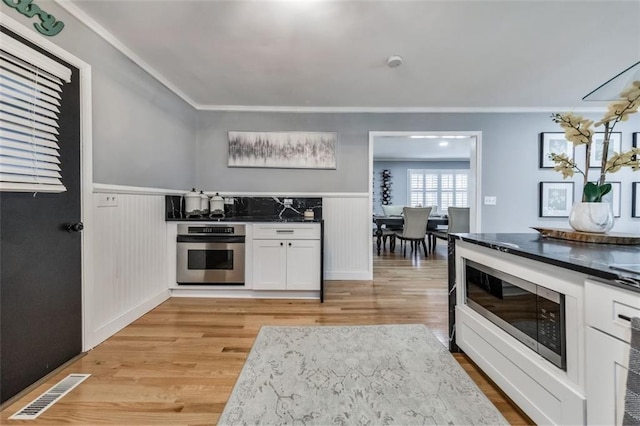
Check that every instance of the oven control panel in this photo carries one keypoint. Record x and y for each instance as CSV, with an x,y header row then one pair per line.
x,y
212,230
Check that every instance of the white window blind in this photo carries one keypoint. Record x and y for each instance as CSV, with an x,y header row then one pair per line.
x,y
30,98
441,188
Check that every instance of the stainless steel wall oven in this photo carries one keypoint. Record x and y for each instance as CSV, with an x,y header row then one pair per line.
x,y
533,314
211,254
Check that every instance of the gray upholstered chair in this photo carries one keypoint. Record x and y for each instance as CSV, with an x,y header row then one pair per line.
x,y
459,221
392,210
415,228
389,231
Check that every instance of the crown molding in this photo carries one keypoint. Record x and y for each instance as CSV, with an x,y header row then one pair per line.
x,y
391,110
93,25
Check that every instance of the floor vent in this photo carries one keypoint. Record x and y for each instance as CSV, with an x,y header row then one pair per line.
x,y
50,397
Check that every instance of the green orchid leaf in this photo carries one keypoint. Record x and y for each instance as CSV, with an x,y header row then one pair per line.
x,y
605,189
590,193
593,192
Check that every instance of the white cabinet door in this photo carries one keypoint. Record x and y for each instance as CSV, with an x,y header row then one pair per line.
x,y
303,265
269,265
607,361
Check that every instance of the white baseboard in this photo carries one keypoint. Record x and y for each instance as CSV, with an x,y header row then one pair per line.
x,y
348,275
244,293
117,324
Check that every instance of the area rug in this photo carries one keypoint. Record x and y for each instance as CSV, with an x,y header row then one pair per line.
x,y
354,375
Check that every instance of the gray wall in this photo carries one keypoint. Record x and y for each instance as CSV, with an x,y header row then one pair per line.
x,y
399,182
143,134
509,158
211,153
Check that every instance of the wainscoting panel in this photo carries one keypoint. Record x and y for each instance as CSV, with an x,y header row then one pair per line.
x,y
129,261
347,238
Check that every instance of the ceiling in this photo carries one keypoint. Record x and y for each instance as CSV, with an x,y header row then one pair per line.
x,y
432,148
315,54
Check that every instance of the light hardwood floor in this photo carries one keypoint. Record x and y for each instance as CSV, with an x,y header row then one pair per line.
x,y
177,364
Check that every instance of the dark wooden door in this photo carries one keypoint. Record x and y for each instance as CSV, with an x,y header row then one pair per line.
x,y
40,266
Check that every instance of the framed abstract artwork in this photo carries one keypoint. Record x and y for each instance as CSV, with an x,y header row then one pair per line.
x,y
285,150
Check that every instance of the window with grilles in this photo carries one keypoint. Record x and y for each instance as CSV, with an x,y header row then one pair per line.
x,y
441,188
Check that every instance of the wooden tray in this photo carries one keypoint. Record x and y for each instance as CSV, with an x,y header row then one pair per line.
x,y
588,237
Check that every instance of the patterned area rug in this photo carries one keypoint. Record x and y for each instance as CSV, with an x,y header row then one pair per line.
x,y
360,375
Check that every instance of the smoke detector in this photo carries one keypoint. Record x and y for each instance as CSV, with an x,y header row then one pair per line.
x,y
394,61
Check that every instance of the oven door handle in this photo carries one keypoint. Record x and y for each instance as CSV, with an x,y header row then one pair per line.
x,y
210,239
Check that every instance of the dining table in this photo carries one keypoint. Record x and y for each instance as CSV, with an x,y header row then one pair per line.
x,y
397,221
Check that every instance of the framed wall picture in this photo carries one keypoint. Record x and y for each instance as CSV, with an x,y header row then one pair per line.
x,y
284,150
615,145
556,199
553,142
635,199
613,197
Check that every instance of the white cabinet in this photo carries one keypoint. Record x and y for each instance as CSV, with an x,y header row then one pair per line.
x,y
607,361
303,265
286,257
269,265
548,394
608,311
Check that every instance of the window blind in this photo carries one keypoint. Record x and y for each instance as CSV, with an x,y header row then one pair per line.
x,y
30,98
439,188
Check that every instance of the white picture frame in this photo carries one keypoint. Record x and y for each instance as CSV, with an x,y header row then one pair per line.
x,y
555,199
556,143
613,197
635,199
615,145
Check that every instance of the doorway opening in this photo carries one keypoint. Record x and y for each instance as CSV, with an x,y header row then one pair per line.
x,y
406,154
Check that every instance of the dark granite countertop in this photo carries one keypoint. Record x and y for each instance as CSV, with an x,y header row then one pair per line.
x,y
262,219
251,209
592,259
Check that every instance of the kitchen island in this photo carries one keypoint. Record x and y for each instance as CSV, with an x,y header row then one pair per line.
x,y
552,329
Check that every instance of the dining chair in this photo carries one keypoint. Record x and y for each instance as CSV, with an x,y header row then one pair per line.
x,y
392,209
387,234
459,221
389,231
415,228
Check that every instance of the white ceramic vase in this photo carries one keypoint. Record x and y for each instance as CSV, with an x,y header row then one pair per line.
x,y
591,217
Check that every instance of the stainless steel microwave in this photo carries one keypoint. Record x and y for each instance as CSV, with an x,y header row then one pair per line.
x,y
533,314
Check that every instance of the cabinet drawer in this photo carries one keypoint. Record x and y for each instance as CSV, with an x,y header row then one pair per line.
x,y
605,305
310,231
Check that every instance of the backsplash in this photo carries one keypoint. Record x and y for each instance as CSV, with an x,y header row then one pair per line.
x,y
251,207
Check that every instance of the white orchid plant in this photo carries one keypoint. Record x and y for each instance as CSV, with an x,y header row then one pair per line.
x,y
579,131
